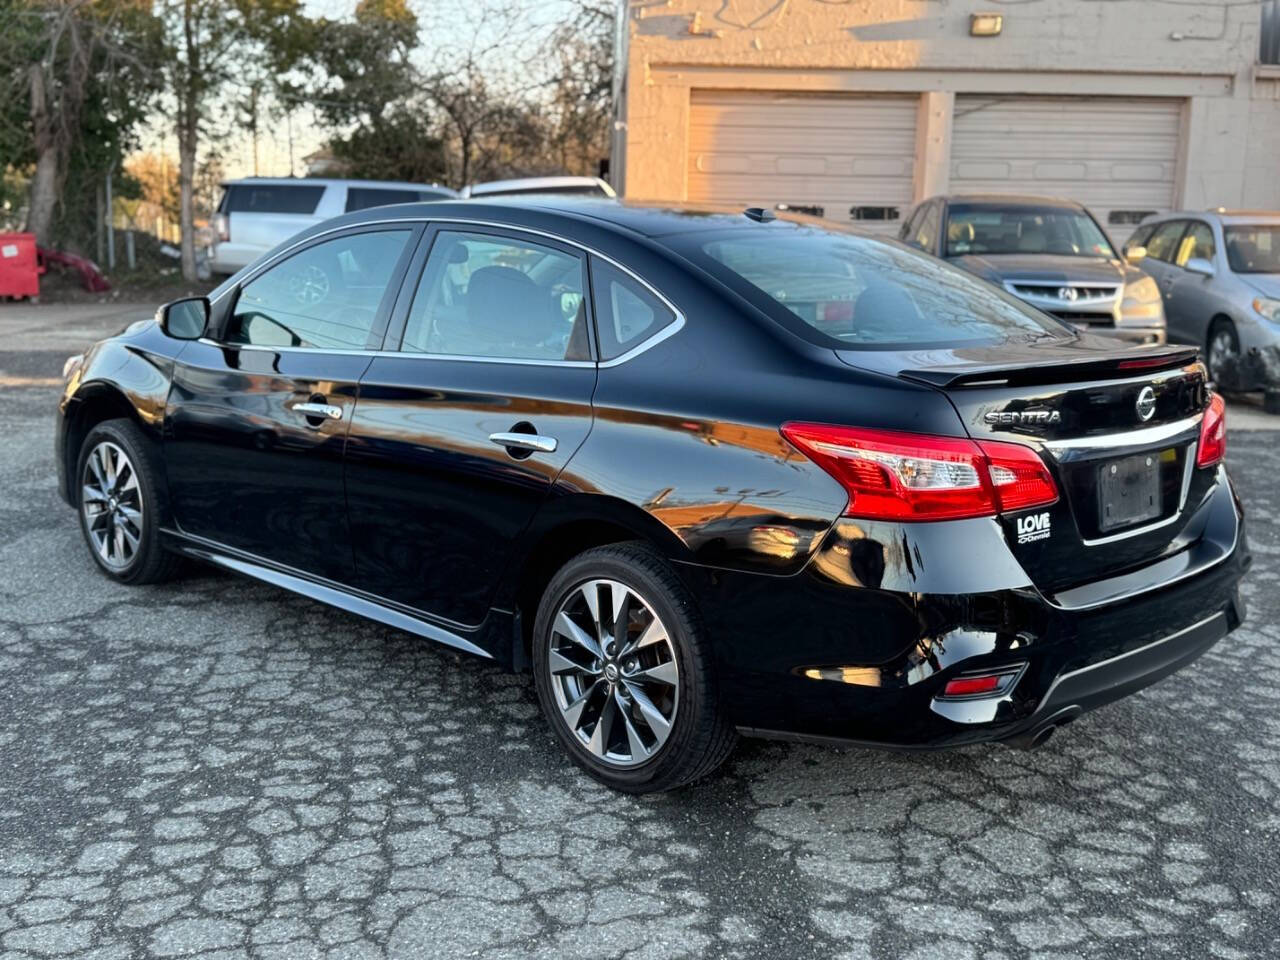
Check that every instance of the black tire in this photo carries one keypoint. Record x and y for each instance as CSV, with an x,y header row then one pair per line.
x,y
1228,379
700,737
150,561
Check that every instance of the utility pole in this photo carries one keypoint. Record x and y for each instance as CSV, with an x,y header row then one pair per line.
x,y
111,227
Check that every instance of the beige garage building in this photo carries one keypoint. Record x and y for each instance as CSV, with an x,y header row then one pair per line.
x,y
857,110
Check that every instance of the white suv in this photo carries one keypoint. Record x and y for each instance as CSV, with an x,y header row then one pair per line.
x,y
258,213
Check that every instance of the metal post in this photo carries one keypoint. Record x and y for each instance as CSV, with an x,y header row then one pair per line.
x,y
99,226
129,254
111,228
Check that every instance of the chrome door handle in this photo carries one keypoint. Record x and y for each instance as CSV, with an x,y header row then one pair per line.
x,y
525,441
328,411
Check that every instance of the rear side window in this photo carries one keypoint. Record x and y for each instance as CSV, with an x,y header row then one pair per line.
x,y
362,198
627,312
852,291
272,198
486,295
1164,242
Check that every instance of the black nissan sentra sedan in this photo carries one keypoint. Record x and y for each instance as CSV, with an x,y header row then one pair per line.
x,y
702,473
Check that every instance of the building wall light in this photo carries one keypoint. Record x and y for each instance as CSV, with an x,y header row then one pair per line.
x,y
985,24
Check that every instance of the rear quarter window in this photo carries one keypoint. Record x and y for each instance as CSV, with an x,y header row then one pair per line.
x,y
849,291
273,198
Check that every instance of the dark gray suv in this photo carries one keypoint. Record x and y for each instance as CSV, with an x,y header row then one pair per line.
x,y
1050,253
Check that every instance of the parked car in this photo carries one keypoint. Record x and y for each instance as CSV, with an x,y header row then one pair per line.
x,y
257,213
577,186
705,473
1219,274
1050,253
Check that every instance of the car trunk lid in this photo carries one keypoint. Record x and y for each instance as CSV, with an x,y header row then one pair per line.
x,y
1117,427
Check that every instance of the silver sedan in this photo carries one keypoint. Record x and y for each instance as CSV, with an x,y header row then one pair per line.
x,y
1219,276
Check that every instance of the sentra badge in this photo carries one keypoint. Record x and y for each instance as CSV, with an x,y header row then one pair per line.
x,y
1022,417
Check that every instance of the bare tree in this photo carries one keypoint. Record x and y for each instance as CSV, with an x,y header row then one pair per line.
x,y
209,43
483,81
581,89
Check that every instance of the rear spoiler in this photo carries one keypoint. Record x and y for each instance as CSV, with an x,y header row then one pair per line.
x,y
1055,371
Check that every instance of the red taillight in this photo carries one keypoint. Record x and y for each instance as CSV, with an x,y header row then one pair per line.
x,y
1213,433
222,226
1019,475
907,476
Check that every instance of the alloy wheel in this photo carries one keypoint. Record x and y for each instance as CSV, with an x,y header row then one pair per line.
x,y
614,672
1222,349
111,502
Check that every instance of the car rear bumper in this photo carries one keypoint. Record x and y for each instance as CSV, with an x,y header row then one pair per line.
x,y
799,660
1076,691
1257,369
227,258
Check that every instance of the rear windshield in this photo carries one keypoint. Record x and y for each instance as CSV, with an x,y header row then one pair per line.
x,y
844,290
979,229
362,198
1253,247
271,198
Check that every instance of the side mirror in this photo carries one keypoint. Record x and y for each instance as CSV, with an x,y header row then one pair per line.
x,y
185,319
1134,254
1199,265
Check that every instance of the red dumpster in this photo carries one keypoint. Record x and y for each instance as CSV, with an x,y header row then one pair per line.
x,y
19,274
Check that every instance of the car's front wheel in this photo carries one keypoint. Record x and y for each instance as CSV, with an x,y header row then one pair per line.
x,y
122,504
1222,354
623,671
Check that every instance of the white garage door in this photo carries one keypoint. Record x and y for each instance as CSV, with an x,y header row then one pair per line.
x,y
845,157
1115,155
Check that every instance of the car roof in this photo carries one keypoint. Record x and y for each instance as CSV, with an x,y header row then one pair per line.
x,y
536,183
561,213
327,181
1010,200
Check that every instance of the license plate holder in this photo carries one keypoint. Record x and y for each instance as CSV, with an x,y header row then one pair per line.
x,y
1129,491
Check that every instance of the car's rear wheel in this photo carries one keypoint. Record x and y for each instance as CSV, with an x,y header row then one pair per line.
x,y
122,504
1222,354
623,671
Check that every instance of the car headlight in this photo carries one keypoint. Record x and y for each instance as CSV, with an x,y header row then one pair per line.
x,y
71,365
1140,302
1268,308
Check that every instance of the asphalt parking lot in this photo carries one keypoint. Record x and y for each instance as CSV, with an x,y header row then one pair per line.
x,y
218,768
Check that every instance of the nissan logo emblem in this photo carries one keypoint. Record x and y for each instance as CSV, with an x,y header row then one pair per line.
x,y
1146,404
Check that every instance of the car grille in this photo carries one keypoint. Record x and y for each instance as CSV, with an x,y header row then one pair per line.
x,y
1063,292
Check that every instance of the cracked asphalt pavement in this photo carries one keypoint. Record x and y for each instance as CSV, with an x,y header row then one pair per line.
x,y
218,768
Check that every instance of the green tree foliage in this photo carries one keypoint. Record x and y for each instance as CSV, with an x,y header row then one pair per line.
x,y
368,90
76,81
